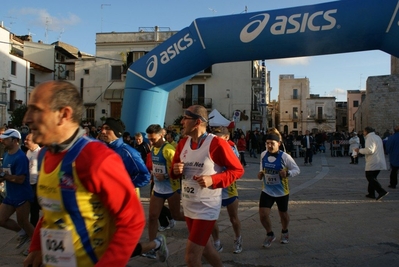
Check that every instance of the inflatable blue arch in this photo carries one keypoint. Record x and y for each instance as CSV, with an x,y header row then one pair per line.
x,y
328,28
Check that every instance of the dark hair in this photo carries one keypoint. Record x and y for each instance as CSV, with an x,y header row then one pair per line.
x,y
116,125
154,129
220,131
369,129
66,94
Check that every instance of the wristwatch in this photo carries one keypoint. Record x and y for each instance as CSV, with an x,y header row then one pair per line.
x,y
2,174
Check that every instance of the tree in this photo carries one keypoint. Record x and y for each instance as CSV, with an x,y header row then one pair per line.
x,y
17,115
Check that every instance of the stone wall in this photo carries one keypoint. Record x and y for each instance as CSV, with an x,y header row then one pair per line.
x,y
380,109
394,65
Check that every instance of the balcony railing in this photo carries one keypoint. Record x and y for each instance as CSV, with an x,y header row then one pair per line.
x,y
3,99
206,102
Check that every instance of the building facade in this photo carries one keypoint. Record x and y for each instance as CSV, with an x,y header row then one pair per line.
x,y
354,100
300,111
379,108
226,87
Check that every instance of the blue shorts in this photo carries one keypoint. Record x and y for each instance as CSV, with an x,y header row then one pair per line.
x,y
228,201
14,203
166,196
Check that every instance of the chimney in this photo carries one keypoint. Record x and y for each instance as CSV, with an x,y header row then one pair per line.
x,y
156,33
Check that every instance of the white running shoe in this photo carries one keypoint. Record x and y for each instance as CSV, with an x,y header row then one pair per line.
x,y
162,251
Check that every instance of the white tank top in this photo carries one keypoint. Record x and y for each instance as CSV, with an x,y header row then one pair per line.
x,y
199,203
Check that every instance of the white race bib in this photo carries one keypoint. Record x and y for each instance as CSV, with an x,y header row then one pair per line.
x,y
272,179
57,248
158,168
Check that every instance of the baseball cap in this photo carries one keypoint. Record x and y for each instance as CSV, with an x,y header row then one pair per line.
x,y
10,133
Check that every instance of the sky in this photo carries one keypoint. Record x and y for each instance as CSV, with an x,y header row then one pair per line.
x,y
76,22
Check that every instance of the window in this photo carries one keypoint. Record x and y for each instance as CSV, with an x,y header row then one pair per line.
x,y
13,96
295,125
86,71
32,80
343,121
13,68
133,56
295,94
116,72
320,113
116,109
295,112
90,115
195,93
355,103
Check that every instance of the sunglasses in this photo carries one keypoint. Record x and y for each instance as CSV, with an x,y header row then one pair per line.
x,y
193,116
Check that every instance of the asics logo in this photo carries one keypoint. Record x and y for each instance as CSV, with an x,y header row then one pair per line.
x,y
167,55
317,21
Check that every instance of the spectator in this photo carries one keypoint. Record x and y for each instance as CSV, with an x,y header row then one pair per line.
x,y
375,162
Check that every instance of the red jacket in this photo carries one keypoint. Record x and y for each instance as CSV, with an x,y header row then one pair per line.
x,y
102,172
241,145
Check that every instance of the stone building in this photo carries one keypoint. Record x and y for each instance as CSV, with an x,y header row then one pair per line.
x,y
300,111
231,88
354,100
380,108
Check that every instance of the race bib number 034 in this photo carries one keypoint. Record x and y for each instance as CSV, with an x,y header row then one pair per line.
x,y
57,248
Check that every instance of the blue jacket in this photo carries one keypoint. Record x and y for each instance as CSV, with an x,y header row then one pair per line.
x,y
134,164
392,148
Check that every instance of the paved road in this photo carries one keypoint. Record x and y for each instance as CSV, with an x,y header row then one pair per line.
x,y
332,223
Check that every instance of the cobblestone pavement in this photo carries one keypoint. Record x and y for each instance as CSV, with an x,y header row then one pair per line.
x,y
332,222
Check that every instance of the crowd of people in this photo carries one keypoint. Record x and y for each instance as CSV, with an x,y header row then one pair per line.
x,y
88,180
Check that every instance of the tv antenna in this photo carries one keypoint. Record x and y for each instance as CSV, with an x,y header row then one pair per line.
x,y
30,33
245,10
11,22
59,36
212,10
47,29
103,5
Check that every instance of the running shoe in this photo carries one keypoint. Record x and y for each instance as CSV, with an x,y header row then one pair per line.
x,y
284,238
162,251
268,241
380,196
163,228
219,248
150,254
172,223
237,246
25,252
22,239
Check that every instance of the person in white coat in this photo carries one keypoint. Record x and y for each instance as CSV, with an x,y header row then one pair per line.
x,y
354,142
375,162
